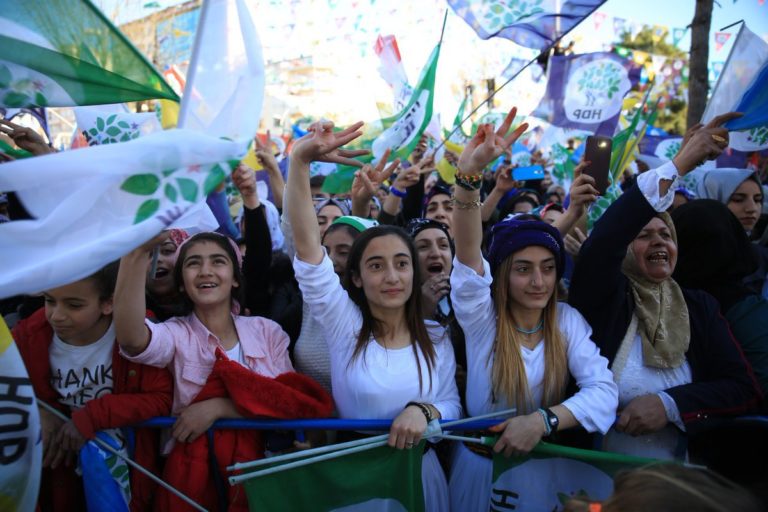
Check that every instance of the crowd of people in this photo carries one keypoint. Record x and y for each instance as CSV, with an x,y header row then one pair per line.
x,y
409,299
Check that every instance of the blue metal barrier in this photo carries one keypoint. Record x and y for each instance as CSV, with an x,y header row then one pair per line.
x,y
311,424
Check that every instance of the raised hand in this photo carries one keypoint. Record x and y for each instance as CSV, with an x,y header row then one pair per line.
x,y
244,179
406,178
322,144
488,145
583,191
25,138
703,143
426,164
368,179
504,180
264,154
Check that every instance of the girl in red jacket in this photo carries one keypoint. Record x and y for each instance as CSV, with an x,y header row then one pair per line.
x,y
73,360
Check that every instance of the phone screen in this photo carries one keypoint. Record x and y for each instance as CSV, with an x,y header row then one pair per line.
x,y
598,152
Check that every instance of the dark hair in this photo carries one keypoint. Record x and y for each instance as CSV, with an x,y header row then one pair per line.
x,y
349,230
105,279
237,294
413,313
316,181
509,205
669,487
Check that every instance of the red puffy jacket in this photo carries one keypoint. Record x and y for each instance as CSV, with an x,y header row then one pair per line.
x,y
288,396
140,392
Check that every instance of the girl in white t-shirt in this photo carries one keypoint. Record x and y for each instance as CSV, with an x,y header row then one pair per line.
x,y
385,363
522,345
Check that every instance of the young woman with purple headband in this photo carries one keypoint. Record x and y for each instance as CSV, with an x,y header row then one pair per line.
x,y
522,345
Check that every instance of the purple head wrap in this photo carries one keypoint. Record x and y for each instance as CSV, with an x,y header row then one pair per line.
x,y
512,235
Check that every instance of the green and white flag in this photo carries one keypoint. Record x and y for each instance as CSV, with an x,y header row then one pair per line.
x,y
110,124
64,53
401,132
552,474
92,205
381,479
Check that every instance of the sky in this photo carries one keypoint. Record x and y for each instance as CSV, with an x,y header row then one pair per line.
x,y
346,84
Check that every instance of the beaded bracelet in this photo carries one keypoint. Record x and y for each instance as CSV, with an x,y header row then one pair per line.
x,y
469,182
467,205
397,192
424,410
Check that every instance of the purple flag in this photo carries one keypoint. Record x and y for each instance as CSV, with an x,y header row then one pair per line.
x,y
533,24
586,91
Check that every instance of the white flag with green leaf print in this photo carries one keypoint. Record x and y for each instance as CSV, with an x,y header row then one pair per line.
x,y
93,205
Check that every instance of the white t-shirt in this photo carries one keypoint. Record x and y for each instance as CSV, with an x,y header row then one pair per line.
x,y
236,354
82,373
380,382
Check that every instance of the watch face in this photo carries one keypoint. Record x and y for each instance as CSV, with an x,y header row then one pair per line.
x,y
553,420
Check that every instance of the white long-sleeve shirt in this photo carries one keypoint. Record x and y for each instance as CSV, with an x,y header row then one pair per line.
x,y
379,382
593,406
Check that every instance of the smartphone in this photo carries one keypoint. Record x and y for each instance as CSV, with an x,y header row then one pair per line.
x,y
531,172
598,152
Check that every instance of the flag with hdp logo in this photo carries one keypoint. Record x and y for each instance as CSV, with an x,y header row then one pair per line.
x,y
551,474
21,447
65,53
92,205
381,479
586,91
530,23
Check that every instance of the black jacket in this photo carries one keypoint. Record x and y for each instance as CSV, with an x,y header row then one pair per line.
x,y
723,383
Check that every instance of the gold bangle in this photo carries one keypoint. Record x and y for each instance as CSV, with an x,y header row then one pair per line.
x,y
467,205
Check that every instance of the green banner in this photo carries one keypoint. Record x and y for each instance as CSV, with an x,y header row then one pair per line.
x,y
67,54
381,479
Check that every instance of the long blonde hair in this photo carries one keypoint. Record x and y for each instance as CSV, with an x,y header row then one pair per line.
x,y
508,375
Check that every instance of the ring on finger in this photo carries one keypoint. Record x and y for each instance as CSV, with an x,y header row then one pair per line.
x,y
409,444
718,138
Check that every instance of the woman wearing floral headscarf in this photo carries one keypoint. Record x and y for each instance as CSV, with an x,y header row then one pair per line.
x,y
672,356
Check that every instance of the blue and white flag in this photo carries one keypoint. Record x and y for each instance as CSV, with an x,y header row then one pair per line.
x,y
655,150
587,91
742,88
530,23
106,477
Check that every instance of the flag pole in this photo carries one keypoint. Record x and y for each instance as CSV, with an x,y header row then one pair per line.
x,y
359,442
725,67
442,31
186,96
128,460
541,54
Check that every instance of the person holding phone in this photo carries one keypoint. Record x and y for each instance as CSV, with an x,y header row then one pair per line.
x,y
671,353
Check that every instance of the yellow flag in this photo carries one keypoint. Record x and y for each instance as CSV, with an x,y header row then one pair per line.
x,y
169,114
444,168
